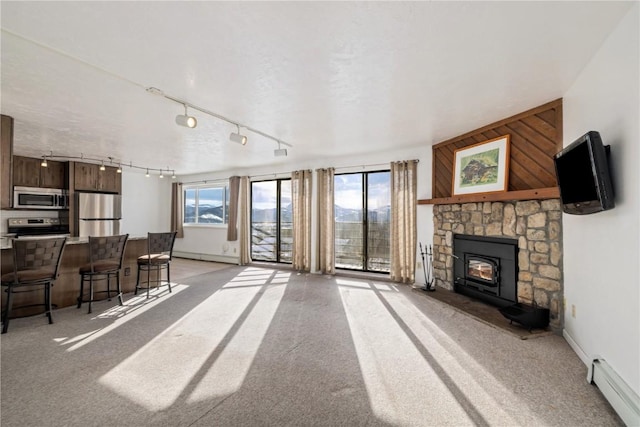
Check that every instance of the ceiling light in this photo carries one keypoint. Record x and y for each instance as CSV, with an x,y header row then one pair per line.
x,y
186,120
102,167
44,162
161,176
280,152
119,170
147,174
237,137
174,175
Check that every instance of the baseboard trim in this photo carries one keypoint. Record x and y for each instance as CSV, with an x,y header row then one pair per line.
x,y
576,348
207,257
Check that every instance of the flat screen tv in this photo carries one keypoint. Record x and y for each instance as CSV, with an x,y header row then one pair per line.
x,y
582,170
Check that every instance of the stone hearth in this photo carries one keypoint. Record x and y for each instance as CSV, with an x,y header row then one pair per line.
x,y
537,225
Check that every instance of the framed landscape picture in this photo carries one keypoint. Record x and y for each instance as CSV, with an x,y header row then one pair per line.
x,y
481,168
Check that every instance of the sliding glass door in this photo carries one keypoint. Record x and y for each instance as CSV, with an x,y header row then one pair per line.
x,y
362,213
271,221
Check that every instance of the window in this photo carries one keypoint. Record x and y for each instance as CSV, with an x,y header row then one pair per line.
x,y
363,221
206,205
271,221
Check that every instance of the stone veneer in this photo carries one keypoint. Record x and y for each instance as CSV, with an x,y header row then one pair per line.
x,y
537,225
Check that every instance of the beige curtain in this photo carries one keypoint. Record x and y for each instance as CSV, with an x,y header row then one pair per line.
x,y
176,209
403,221
301,198
326,221
234,189
244,207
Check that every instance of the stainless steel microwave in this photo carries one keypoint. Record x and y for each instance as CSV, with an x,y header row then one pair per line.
x,y
40,198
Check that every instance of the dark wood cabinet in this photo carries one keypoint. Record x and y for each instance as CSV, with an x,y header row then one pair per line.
x,y
6,154
89,177
27,172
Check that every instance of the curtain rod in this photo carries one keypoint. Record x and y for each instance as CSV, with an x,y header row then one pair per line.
x,y
282,174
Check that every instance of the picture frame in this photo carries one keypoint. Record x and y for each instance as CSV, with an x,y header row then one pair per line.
x,y
481,168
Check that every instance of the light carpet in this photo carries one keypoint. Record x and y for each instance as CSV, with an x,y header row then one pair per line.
x,y
247,346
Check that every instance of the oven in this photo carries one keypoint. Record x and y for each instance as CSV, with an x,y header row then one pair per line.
x,y
20,228
39,198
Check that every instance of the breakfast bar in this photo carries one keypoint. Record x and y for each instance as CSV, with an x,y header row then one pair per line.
x,y
66,289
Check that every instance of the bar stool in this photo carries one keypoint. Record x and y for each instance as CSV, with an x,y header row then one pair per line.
x,y
35,266
105,261
157,258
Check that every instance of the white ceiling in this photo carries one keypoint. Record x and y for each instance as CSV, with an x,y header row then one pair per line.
x,y
326,77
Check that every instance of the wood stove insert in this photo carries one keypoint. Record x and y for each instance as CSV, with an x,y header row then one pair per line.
x,y
486,268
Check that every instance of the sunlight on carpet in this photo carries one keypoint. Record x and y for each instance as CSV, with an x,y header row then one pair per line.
x,y
212,361
397,345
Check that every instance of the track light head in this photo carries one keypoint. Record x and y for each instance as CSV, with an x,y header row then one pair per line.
x,y
188,121
280,152
236,137
44,162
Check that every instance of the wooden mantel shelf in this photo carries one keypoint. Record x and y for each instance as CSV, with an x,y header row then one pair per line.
x,y
535,194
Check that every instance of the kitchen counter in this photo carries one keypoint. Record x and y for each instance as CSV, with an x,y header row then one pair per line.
x,y
76,253
5,243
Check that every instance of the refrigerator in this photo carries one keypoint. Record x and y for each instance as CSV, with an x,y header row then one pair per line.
x,y
98,214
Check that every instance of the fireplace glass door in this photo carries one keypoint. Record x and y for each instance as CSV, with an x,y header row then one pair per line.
x,y
482,270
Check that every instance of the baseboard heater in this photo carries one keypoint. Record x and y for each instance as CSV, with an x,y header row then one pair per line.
x,y
206,257
621,397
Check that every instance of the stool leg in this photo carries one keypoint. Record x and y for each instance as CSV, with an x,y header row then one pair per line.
x,y
7,311
169,275
90,292
148,279
109,286
82,276
47,300
137,281
119,289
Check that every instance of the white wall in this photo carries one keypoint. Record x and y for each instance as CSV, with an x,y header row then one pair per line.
x,y
211,242
602,251
146,204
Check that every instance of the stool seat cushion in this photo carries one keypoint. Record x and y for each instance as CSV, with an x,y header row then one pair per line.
x,y
28,275
100,267
153,259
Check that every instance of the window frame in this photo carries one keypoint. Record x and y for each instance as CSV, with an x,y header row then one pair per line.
x,y
198,188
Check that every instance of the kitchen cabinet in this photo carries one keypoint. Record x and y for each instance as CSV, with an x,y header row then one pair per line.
x,y
89,177
6,153
27,172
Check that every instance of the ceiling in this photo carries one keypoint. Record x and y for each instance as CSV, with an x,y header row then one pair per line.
x,y
328,78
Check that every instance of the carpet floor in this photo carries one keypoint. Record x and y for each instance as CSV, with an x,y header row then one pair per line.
x,y
254,346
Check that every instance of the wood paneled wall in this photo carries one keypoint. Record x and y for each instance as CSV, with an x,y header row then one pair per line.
x,y
536,135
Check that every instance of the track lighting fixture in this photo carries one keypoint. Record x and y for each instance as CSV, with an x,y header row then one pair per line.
x,y
102,164
280,152
237,137
185,119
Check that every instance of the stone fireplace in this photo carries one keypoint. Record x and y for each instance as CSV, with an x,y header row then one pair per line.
x,y
533,227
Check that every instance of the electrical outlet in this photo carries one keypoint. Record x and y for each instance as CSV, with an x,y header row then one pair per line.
x,y
573,310
127,271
